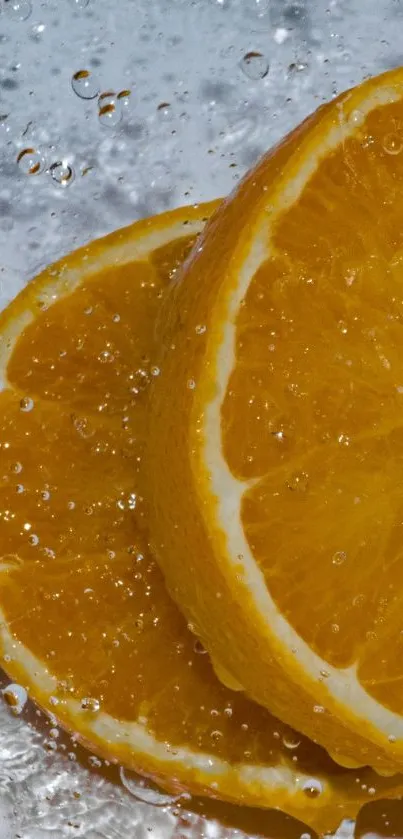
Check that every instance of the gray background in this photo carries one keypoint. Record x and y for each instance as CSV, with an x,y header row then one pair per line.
x,y
222,115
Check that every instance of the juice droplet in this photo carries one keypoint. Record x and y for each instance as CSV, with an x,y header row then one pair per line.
x,y
312,788
392,143
26,404
18,9
90,704
254,65
85,84
30,161
109,109
62,173
339,558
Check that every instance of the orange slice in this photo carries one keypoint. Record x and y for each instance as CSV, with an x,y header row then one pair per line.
x,y
86,623
279,521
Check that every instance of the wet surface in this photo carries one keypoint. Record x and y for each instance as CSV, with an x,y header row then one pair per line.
x,y
212,84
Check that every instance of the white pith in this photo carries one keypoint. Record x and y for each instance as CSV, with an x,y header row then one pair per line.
x,y
342,692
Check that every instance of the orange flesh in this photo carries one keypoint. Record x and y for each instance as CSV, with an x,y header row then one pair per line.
x,y
77,584
318,416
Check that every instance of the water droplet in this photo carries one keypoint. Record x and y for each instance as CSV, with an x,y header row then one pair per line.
x,y
18,9
33,539
254,65
83,428
298,482
16,697
312,788
85,84
30,162
291,741
109,109
297,67
164,110
142,790
392,143
45,495
62,173
155,371
339,557
90,704
26,404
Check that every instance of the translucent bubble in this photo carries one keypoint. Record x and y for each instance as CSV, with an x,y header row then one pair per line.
x,y
291,741
79,4
318,709
124,97
26,404
30,161
200,329
255,65
85,84
33,539
16,697
62,173
109,109
297,67
164,110
198,648
312,788
16,467
298,482
392,143
339,557
18,9
90,704
143,791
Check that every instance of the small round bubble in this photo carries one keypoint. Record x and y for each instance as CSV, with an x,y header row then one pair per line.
x,y
79,4
26,404
61,173
392,143
30,161
18,9
85,84
254,65
109,109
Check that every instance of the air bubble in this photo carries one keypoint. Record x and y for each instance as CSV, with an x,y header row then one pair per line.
x,y
16,697
254,65
90,704
26,404
339,557
164,110
392,143
298,482
312,788
191,384
297,67
18,9
198,648
109,109
291,741
200,329
79,4
142,791
16,467
318,709
30,162
85,84
62,173
33,539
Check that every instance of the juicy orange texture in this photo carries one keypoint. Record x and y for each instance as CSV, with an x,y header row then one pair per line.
x,y
87,625
283,442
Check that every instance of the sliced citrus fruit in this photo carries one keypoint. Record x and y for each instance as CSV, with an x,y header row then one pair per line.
x,y
279,521
86,623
